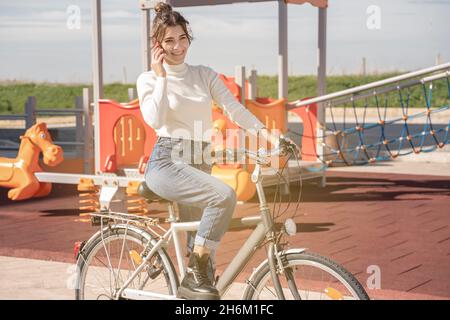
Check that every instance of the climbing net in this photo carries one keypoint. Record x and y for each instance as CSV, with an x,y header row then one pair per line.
x,y
387,122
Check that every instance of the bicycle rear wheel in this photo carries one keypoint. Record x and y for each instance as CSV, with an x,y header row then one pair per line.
x,y
306,276
107,261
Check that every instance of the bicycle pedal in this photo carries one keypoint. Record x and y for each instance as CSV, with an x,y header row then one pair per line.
x,y
154,272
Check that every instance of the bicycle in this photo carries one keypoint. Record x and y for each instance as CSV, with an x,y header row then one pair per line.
x,y
127,257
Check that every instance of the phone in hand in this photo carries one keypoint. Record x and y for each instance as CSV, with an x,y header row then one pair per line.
x,y
158,59
157,45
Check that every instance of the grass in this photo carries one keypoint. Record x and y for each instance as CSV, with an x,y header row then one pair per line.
x,y
61,96
13,95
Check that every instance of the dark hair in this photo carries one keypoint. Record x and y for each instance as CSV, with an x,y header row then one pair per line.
x,y
166,17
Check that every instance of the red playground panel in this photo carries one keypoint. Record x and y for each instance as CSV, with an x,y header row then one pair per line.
x,y
125,139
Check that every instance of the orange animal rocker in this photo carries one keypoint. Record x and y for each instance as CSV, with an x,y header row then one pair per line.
x,y
18,173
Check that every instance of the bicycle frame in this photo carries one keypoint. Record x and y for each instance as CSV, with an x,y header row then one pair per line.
x,y
278,261
264,229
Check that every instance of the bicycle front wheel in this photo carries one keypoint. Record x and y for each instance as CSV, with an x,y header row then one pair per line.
x,y
306,276
109,260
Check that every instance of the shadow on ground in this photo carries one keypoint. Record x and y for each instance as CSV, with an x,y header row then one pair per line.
x,y
340,189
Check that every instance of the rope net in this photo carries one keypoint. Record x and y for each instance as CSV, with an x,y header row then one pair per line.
x,y
385,123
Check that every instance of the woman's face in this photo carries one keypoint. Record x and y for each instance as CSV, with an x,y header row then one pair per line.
x,y
175,45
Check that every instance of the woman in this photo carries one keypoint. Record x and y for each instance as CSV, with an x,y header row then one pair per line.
x,y
175,100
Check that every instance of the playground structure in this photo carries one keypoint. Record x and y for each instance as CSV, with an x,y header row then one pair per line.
x,y
123,143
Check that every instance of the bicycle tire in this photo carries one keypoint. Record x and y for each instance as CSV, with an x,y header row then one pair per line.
x,y
256,283
137,235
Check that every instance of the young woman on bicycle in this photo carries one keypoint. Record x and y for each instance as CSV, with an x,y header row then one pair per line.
x,y
175,100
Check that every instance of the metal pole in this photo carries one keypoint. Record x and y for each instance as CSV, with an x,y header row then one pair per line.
x,y
240,81
322,53
97,64
283,65
321,81
145,39
282,50
88,152
79,127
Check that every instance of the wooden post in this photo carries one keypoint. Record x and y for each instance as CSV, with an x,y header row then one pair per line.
x,y
30,112
252,85
364,66
131,94
79,126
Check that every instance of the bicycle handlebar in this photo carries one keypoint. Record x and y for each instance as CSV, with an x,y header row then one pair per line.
x,y
284,147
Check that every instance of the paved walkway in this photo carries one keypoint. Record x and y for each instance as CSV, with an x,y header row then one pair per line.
x,y
32,279
397,222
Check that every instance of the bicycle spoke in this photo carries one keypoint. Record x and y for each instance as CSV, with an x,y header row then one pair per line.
x,y
109,261
111,255
133,265
308,276
273,293
121,252
100,274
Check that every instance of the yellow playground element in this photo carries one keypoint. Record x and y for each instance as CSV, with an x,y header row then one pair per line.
x,y
18,173
237,175
239,179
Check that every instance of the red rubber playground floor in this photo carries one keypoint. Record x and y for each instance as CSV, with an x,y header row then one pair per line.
x,y
395,222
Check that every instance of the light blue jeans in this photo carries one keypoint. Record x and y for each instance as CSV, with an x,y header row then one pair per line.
x,y
180,170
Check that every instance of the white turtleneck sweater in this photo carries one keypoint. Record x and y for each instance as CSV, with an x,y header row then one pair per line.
x,y
179,105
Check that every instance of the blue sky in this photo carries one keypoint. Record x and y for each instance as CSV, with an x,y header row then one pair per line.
x,y
37,45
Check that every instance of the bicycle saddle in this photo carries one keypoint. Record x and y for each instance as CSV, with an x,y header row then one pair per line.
x,y
148,194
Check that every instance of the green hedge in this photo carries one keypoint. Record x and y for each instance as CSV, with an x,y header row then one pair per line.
x,y
14,95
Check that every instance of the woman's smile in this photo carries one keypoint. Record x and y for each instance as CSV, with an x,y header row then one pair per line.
x,y
177,54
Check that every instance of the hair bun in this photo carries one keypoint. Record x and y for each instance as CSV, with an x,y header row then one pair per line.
x,y
162,8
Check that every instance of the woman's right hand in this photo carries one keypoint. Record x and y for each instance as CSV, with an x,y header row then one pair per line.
x,y
158,56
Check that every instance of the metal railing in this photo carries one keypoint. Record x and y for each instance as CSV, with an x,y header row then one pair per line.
x,y
336,136
355,93
83,113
